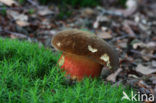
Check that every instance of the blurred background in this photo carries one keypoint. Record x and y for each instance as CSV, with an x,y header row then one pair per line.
x,y
36,20
129,25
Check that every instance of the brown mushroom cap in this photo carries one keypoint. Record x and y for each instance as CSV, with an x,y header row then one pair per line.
x,y
83,43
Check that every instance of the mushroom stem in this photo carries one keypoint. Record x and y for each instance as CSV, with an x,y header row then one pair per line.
x,y
79,67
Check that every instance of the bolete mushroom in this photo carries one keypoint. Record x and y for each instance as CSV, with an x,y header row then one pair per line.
x,y
84,53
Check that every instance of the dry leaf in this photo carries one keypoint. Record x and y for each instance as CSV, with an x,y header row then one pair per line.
x,y
113,76
99,20
17,35
155,91
128,29
132,75
43,11
145,69
150,45
139,44
153,63
104,35
22,23
122,43
21,19
87,12
8,2
17,16
147,54
95,24
132,6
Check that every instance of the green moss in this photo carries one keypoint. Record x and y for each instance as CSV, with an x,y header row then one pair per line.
x,y
31,11
3,10
74,3
122,3
28,74
64,13
83,3
21,1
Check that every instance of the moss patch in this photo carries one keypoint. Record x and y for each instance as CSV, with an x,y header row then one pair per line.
x,y
28,74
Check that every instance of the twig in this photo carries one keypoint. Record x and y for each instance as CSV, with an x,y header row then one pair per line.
x,y
128,29
111,12
119,38
142,54
33,3
19,35
1,8
15,34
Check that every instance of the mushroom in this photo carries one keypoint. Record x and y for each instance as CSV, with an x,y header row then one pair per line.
x,y
84,54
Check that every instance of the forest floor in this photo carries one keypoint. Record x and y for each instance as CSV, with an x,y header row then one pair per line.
x,y
131,30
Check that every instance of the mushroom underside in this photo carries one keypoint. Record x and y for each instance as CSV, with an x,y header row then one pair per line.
x,y
79,67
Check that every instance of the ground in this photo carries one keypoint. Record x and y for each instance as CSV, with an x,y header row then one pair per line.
x,y
129,28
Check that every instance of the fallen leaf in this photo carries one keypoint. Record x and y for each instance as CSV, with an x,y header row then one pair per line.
x,y
132,6
46,23
104,28
17,16
153,63
147,54
145,69
150,45
104,34
44,10
113,76
122,43
96,24
8,2
87,12
14,35
128,29
137,18
132,75
153,79
139,44
101,19
21,19
22,23
155,92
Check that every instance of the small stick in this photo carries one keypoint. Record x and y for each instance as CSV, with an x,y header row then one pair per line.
x,y
119,38
128,29
137,52
15,34
33,3
111,12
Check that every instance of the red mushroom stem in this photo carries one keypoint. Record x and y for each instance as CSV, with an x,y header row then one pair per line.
x,y
79,67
